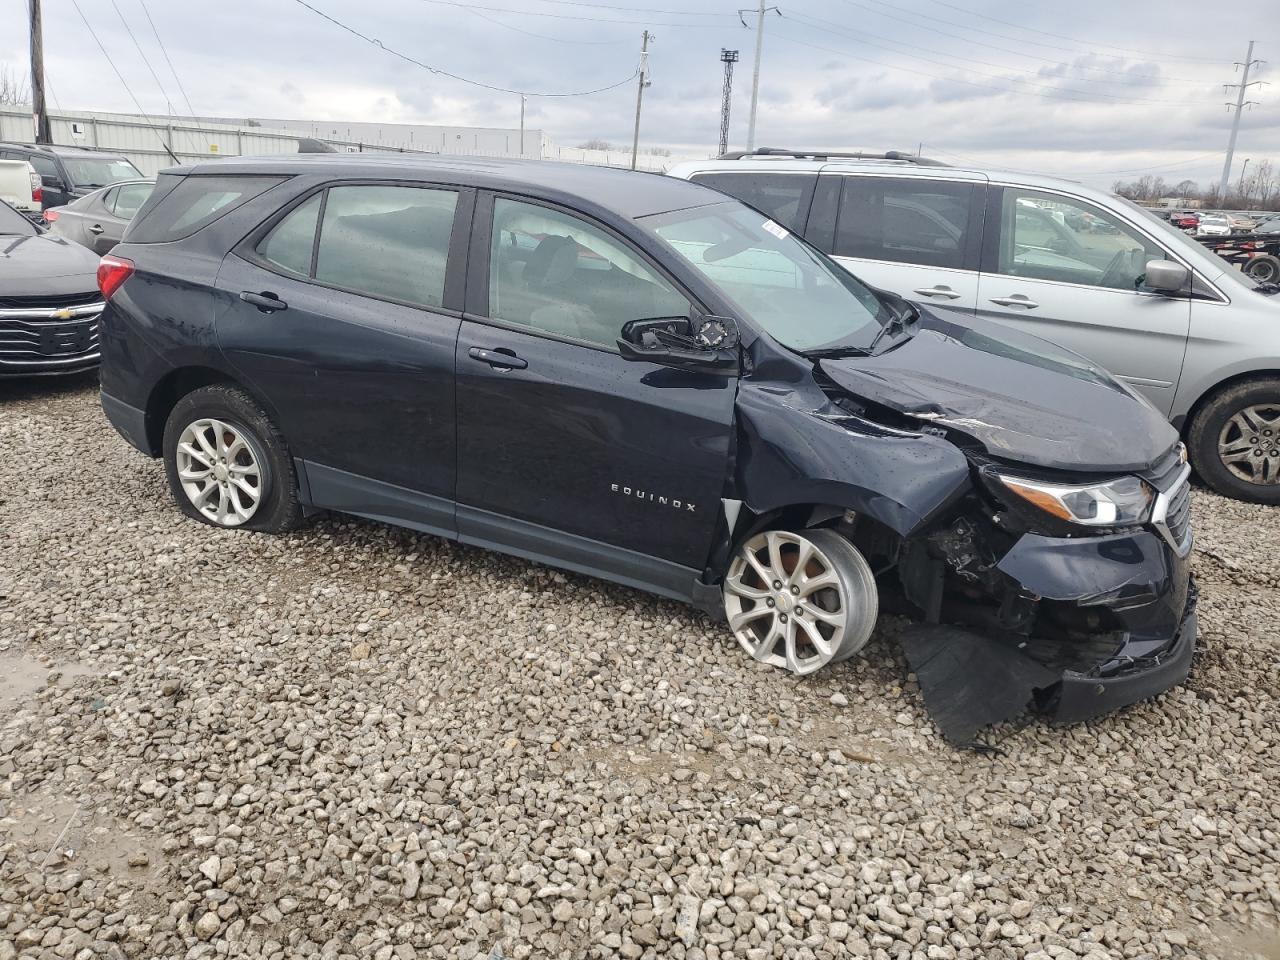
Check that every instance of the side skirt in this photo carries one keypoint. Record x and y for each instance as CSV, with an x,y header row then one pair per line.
x,y
329,488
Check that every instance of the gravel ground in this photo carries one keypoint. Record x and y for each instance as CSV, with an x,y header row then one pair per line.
x,y
356,741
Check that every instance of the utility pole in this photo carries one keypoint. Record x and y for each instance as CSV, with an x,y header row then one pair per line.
x,y
39,114
1242,88
755,74
643,82
728,58
523,98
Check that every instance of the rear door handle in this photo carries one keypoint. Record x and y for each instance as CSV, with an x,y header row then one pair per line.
x,y
501,359
266,302
96,229
1016,300
940,290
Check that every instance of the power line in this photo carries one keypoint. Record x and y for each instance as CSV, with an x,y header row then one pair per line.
x,y
191,110
145,59
453,76
1058,36
577,16
1085,96
540,36
119,76
1029,56
628,9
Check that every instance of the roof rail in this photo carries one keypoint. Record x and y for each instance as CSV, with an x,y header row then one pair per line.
x,y
898,155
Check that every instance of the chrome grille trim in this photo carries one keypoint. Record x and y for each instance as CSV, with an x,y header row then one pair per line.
x,y
1171,514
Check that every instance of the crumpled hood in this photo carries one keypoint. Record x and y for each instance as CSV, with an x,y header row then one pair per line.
x,y
31,265
1021,397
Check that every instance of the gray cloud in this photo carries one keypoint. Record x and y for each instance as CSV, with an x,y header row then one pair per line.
x,y
883,75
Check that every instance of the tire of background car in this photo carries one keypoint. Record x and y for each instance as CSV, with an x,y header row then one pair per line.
x,y
1234,441
800,600
1264,269
228,465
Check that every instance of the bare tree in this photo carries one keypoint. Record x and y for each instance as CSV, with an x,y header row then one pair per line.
x,y
13,87
596,144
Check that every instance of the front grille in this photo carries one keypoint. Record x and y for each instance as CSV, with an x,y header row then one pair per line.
x,y
1172,512
51,302
37,339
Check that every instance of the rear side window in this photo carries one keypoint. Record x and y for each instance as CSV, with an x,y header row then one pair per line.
x,y
783,197
290,244
390,242
125,201
904,220
194,203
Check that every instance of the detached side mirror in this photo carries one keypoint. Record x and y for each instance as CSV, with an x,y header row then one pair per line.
x,y
1165,276
709,344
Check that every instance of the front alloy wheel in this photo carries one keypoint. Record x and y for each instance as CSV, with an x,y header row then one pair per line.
x,y
220,471
800,600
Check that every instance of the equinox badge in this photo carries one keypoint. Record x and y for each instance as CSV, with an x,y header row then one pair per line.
x,y
652,497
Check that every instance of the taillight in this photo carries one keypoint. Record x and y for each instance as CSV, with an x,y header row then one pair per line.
x,y
51,214
37,194
113,271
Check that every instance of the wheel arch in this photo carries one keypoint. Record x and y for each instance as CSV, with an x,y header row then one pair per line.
x,y
1183,423
175,385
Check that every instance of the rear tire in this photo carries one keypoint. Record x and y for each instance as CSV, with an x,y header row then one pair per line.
x,y
1264,269
1234,441
228,465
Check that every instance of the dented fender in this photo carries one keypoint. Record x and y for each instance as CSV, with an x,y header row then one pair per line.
x,y
795,446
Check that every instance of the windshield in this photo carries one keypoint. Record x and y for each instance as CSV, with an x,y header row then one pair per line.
x,y
99,171
797,295
14,224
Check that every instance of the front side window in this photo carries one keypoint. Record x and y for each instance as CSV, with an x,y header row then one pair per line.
x,y
784,197
44,166
1047,237
387,242
904,220
556,273
800,297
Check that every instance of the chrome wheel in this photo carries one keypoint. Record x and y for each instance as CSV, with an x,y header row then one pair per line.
x,y
800,601
1249,444
219,469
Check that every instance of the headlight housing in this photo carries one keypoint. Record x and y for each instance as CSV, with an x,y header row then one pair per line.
x,y
1122,502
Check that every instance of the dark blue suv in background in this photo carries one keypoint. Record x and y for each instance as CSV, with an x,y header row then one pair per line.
x,y
637,378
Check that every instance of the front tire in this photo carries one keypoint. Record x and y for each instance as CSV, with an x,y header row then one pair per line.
x,y
1235,441
800,600
228,465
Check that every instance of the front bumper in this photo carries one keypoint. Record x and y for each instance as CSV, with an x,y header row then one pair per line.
x,y
1134,590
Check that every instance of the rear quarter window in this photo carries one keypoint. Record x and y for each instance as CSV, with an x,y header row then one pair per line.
x,y
783,197
192,203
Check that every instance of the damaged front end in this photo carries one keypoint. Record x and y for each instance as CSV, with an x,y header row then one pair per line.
x,y
1019,614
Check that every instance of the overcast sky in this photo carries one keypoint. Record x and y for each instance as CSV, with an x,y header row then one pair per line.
x,y
1098,90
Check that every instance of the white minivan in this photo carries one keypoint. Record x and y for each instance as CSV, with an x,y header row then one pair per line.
x,y
1069,263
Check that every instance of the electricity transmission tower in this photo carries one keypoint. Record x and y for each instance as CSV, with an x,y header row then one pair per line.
x,y
1241,88
728,58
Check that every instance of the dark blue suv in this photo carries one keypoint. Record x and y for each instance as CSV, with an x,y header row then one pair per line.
x,y
637,378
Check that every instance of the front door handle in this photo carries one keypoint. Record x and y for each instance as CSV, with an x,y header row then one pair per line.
x,y
1016,300
265,301
96,229
939,290
501,359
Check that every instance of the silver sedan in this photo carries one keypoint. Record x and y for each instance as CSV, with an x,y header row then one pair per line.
x,y
98,220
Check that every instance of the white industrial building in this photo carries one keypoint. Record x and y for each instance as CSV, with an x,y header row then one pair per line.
x,y
149,142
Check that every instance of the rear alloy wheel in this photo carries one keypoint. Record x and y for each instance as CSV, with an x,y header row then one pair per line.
x,y
800,600
1235,442
227,464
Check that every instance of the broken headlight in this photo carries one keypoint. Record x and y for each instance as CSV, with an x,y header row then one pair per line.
x,y
1123,502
